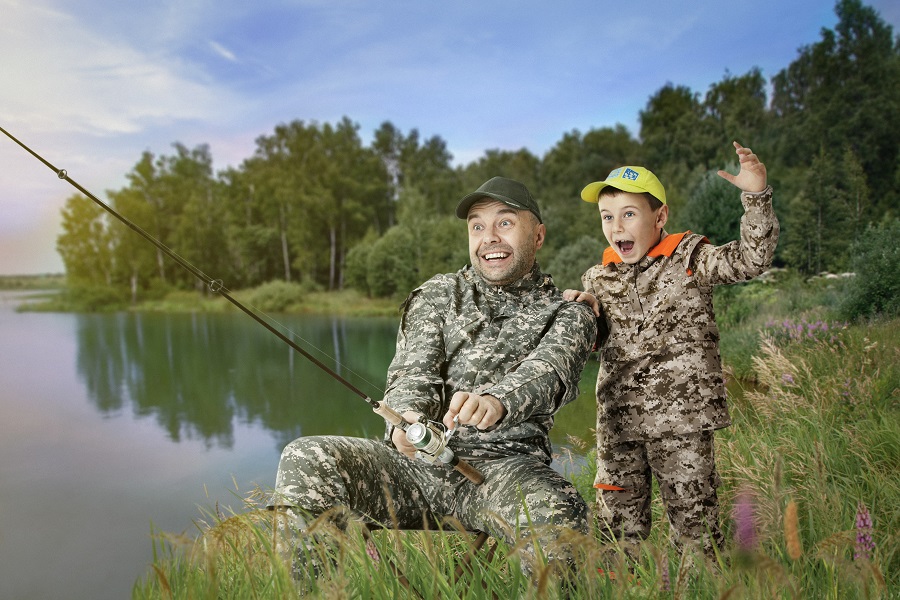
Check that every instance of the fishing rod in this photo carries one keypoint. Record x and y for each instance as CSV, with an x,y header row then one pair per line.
x,y
429,438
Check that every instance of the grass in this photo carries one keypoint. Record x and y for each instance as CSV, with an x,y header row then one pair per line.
x,y
814,448
810,462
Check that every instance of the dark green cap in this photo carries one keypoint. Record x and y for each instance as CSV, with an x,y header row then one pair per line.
x,y
507,191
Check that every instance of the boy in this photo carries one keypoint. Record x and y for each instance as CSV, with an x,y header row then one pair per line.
x,y
660,389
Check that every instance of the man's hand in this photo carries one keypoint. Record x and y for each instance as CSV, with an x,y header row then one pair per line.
x,y
399,436
474,409
752,176
585,297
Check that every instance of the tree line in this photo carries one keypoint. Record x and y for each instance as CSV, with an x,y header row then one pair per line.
x,y
316,206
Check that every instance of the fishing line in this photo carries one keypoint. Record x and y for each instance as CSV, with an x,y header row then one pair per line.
x,y
215,285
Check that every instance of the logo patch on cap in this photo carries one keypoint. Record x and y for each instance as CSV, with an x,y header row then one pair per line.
x,y
614,174
630,174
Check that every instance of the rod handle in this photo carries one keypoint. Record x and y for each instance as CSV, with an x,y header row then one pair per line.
x,y
396,419
390,415
471,473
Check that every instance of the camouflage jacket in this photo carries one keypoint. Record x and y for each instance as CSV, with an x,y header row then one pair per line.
x,y
660,372
521,343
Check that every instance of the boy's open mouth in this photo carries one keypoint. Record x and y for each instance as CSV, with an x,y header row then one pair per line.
x,y
625,246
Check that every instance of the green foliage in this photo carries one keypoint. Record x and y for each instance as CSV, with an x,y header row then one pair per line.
x,y
276,296
876,262
85,245
92,298
356,265
735,304
571,261
744,310
821,227
714,209
841,93
391,268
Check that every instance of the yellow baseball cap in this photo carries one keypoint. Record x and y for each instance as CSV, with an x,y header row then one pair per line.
x,y
628,179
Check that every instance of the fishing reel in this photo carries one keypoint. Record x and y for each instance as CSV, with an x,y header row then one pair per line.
x,y
431,440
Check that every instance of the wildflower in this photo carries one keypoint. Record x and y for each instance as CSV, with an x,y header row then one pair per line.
x,y
372,551
787,379
665,583
792,531
864,543
745,521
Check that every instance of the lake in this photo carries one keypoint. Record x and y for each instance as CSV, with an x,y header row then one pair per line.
x,y
114,424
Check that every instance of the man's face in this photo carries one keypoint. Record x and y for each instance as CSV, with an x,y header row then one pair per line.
x,y
503,241
630,227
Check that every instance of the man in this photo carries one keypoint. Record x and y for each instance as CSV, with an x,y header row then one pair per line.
x,y
497,347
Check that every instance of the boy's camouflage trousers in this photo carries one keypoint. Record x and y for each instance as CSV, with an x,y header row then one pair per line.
x,y
685,469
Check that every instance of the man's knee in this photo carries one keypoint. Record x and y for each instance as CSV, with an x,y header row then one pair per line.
x,y
530,493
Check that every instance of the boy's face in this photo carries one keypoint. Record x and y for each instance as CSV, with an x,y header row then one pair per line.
x,y
630,227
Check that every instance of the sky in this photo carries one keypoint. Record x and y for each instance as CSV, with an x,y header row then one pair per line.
x,y
91,85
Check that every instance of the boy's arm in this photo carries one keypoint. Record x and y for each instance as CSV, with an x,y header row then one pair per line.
x,y
752,175
751,255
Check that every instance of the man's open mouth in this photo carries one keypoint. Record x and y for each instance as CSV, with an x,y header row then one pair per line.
x,y
495,256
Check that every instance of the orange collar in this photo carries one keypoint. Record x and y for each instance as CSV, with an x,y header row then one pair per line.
x,y
665,248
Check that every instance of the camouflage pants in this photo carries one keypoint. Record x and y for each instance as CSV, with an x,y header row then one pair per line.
x,y
379,484
685,469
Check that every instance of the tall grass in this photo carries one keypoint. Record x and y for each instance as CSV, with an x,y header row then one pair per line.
x,y
810,499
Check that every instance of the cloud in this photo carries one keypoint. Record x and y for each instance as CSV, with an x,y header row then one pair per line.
x,y
71,79
223,51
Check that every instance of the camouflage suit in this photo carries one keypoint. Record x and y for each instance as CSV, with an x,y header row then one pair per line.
x,y
522,344
660,388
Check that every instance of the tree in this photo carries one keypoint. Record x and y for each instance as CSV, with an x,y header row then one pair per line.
x,y
713,209
736,109
520,165
84,243
842,93
572,260
423,165
675,130
576,160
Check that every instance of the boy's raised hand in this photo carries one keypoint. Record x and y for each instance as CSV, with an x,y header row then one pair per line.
x,y
752,176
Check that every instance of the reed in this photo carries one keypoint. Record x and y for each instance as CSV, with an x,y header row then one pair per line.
x,y
812,457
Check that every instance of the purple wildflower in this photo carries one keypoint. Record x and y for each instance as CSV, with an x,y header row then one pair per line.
x,y
864,543
665,583
745,521
787,379
372,551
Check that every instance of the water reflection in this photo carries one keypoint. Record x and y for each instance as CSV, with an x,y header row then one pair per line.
x,y
198,375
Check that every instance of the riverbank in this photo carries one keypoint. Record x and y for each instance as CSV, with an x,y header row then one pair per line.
x,y
347,303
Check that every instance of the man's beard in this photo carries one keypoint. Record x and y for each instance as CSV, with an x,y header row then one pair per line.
x,y
523,260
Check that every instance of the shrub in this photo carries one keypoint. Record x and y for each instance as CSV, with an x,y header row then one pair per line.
x,y
571,261
714,209
391,264
877,287
94,298
276,296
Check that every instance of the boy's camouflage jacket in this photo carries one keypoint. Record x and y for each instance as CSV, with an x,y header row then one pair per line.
x,y
660,371
521,343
